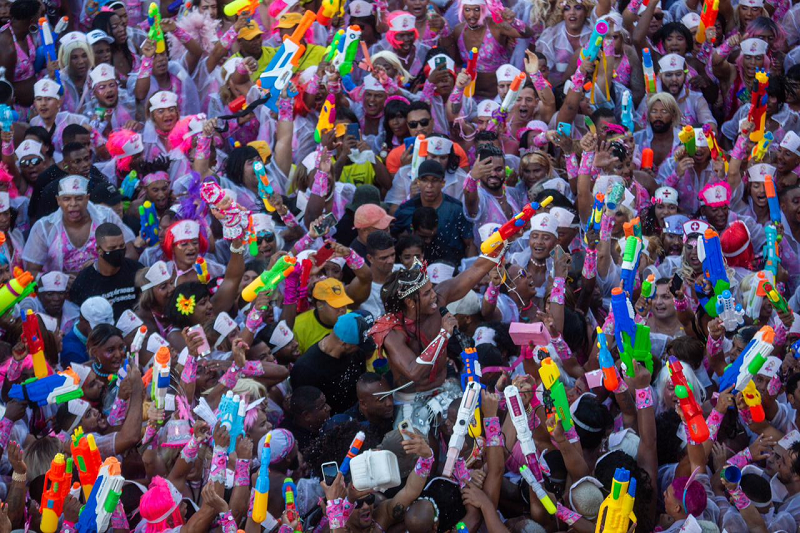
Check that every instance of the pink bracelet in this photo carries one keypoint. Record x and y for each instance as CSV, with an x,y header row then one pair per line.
x,y
587,162
253,369
228,38
203,148
740,148
68,527
14,370
725,49
242,476
146,68
566,515
714,421
189,452
713,346
633,7
606,226
557,292
539,83
741,459
150,436
8,147
354,261
242,69
289,219
285,110
491,294
189,374
494,433
230,377
118,518
184,37
518,25
303,243
740,500
644,398
219,463
572,166
682,304
118,411
338,513
227,522
562,349
423,466
286,528
590,264
470,184
320,186
255,319
621,385
578,80
461,473
572,435
6,426
456,97
313,85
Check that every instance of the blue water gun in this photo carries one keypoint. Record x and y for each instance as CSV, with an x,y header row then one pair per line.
x,y
148,222
231,415
610,376
54,389
772,200
633,340
627,111
129,184
771,257
709,251
746,367
95,516
47,50
7,117
261,499
595,43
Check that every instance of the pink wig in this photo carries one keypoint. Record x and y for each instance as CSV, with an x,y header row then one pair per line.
x,y
763,24
694,499
6,177
484,12
115,143
178,138
740,64
159,503
391,35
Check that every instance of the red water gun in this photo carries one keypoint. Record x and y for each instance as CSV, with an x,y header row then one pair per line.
x,y
692,413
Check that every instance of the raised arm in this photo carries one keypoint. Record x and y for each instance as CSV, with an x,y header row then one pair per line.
x,y
392,511
456,288
228,291
131,432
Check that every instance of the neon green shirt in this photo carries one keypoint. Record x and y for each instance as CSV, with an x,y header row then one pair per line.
x,y
308,330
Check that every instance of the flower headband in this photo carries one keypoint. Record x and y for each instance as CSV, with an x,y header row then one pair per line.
x,y
185,305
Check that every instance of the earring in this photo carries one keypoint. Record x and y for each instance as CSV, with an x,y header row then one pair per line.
x,y
33,29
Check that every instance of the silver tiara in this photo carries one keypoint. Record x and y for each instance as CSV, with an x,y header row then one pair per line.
x,y
409,287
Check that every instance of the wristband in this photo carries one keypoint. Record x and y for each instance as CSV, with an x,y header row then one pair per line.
x,y
423,466
338,513
303,243
725,49
285,110
590,264
518,25
774,386
230,377
682,304
713,421
562,349
539,83
184,37
118,518
587,163
456,97
68,527
557,292
461,473
540,141
578,80
253,369
255,318
494,433
228,38
14,370
621,386
491,294
566,515
242,476
219,464
203,148
8,147
189,452
644,398
313,85
237,249
320,186
633,7
242,69
713,346
226,522
5,432
150,435
354,261
470,184
118,411
740,500
286,528
606,226
572,435
189,374
572,166
289,220
146,68
741,459
740,149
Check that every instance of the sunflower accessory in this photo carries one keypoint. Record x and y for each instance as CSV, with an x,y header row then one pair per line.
x,y
185,305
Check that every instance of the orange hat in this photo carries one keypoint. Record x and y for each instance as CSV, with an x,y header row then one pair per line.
x,y
250,32
331,291
372,216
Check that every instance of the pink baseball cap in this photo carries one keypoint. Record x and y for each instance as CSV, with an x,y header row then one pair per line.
x,y
372,216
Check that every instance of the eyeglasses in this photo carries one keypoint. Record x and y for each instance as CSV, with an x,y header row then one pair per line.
x,y
369,500
414,124
31,162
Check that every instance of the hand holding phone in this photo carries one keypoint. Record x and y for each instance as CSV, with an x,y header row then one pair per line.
x,y
329,472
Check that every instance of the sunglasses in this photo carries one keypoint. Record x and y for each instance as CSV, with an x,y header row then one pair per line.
x,y
658,16
413,124
31,162
369,500
267,237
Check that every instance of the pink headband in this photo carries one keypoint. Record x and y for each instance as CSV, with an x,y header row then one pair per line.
x,y
397,98
155,176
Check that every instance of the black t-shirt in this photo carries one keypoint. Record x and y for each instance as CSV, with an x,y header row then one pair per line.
x,y
120,289
45,190
336,378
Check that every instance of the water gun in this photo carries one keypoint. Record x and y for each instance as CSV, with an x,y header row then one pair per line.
x,y
631,255
328,10
555,395
536,486
419,155
278,74
753,400
160,383
148,221
513,226
649,72
279,7
466,410
57,483
496,8
758,105
265,190
647,158
156,34
269,279
57,388
7,117
596,216
686,137
346,54
472,71
48,46
616,512
129,184
750,361
231,413
86,458
240,7
627,111
692,413
138,342
731,313
610,376
289,490
519,418
708,18
327,116
772,200
201,267
649,287
776,298
513,93
461,527
34,342
595,44
717,153
633,340
16,290
771,257
615,196
762,146
179,7
709,251
261,487
95,516
355,448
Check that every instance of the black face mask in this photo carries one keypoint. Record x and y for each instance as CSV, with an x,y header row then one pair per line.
x,y
114,258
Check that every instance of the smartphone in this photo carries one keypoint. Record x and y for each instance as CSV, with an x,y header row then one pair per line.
x,y
564,129
204,350
323,254
328,221
405,425
409,141
676,284
354,130
440,61
329,472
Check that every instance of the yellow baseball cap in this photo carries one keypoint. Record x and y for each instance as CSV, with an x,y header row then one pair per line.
x,y
289,20
263,149
250,32
331,291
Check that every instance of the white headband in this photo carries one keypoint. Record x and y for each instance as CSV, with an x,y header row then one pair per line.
x,y
73,186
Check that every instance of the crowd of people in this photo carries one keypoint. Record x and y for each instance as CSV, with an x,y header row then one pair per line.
x,y
400,266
